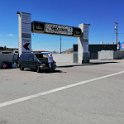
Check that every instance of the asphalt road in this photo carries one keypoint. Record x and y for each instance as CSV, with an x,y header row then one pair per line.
x,y
80,94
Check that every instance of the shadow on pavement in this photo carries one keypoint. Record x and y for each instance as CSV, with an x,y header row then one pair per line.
x,y
47,72
55,71
86,64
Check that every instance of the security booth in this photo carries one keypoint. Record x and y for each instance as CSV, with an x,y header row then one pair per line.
x,y
26,27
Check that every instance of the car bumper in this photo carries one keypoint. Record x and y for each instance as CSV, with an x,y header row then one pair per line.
x,y
44,67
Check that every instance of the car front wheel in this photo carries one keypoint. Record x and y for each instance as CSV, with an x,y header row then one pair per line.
x,y
38,69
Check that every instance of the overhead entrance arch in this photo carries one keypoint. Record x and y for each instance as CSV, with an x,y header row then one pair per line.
x,y
26,27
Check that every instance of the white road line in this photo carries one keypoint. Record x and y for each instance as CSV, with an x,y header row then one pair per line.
x,y
56,90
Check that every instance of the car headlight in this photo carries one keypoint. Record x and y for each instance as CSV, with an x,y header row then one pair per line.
x,y
41,66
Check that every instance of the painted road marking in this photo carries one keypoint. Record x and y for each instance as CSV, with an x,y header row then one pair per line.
x,y
4,104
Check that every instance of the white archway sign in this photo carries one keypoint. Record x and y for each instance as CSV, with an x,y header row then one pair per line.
x,y
26,27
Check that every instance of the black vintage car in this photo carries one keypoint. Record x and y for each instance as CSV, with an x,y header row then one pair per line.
x,y
37,61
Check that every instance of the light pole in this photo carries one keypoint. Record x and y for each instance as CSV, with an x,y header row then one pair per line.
x,y
116,31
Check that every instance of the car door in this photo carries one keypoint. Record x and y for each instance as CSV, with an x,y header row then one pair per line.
x,y
30,61
23,60
34,62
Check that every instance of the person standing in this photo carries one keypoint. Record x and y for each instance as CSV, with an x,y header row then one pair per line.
x,y
50,60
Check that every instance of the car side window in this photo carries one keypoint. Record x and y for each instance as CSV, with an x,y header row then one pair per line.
x,y
30,57
23,57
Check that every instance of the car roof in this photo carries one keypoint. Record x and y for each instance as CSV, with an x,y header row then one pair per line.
x,y
42,52
45,53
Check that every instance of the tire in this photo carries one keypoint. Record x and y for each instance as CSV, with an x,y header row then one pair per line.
x,y
4,65
21,68
38,69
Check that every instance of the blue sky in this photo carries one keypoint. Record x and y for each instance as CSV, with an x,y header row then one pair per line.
x,y
101,14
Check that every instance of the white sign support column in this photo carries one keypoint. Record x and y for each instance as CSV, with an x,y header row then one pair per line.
x,y
24,27
83,44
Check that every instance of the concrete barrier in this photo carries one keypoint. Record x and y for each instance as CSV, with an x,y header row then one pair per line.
x,y
110,55
63,59
106,55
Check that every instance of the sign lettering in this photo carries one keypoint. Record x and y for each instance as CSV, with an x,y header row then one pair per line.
x,y
49,28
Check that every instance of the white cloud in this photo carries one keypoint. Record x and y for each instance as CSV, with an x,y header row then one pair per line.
x,y
10,35
7,35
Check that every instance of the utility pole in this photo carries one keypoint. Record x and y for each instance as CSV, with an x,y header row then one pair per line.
x,y
116,31
60,44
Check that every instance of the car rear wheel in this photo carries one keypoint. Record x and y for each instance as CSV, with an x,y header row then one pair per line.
x,y
21,68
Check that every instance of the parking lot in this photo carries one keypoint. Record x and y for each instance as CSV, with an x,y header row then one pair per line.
x,y
73,94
